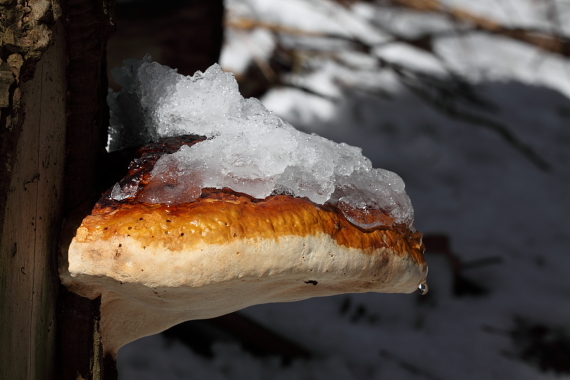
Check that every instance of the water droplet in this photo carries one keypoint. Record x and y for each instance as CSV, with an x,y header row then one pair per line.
x,y
423,288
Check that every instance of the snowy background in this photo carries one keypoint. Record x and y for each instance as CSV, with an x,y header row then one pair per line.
x,y
478,126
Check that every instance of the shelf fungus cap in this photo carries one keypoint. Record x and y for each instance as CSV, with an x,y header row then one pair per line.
x,y
248,212
158,265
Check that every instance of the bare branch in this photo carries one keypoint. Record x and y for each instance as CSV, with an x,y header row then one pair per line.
x,y
554,43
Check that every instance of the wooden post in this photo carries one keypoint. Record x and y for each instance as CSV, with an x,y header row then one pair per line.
x,y
52,128
33,154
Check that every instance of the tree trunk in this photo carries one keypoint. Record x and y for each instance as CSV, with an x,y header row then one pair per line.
x,y
52,131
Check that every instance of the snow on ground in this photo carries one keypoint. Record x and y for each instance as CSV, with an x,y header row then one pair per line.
x,y
465,181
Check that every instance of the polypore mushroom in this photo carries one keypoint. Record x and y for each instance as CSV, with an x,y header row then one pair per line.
x,y
176,240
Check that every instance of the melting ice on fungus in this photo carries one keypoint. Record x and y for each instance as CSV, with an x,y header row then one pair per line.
x,y
248,148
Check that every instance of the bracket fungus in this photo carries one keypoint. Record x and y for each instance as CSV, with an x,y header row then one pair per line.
x,y
204,226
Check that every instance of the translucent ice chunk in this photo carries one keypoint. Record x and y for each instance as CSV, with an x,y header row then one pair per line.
x,y
128,191
248,148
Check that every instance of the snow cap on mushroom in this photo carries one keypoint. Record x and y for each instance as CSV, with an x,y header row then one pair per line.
x,y
249,149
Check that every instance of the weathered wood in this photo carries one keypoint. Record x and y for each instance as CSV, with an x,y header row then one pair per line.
x,y
32,216
89,24
78,338
88,27
52,126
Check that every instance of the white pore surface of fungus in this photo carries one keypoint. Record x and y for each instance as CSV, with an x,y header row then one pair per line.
x,y
248,148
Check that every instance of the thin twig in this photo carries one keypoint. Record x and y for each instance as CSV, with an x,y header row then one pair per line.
x,y
554,43
250,24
